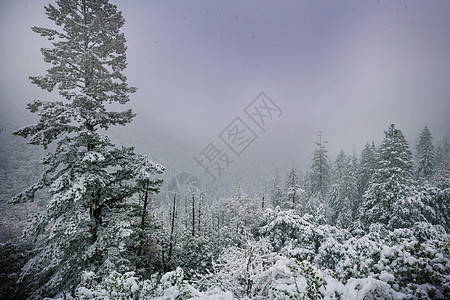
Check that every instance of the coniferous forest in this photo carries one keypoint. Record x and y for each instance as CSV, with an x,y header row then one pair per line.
x,y
98,219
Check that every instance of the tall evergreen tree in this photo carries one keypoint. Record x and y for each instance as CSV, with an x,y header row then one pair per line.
x,y
353,178
339,168
443,155
320,171
292,189
366,168
277,192
425,155
317,183
343,192
384,200
88,219
441,177
441,180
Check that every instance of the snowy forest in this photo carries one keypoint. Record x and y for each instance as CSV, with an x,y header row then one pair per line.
x,y
98,220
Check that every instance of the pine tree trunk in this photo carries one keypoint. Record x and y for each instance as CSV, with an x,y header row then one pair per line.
x,y
172,226
144,213
193,214
199,212
185,212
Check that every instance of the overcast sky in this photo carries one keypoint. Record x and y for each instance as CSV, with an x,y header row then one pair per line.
x,y
346,68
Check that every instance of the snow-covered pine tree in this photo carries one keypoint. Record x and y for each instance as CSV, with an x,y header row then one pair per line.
x,y
343,192
441,180
87,224
277,192
425,155
317,182
292,189
334,198
366,168
384,200
320,171
355,202
339,167
443,158
143,249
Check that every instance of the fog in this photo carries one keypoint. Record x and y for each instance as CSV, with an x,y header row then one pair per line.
x,y
347,69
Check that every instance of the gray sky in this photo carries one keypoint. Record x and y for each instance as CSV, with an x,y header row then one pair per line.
x,y
347,68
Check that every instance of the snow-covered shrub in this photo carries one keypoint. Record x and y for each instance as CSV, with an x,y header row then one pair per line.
x,y
127,286
116,286
193,255
289,279
301,237
413,261
237,267
369,288
173,286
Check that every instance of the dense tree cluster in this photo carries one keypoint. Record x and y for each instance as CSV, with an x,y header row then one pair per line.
x,y
236,247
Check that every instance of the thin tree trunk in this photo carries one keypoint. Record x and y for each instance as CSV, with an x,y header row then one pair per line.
x,y
172,226
193,214
185,212
144,213
162,257
199,212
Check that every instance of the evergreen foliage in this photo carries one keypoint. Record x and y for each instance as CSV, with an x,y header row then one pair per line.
x,y
343,194
88,223
385,200
425,155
